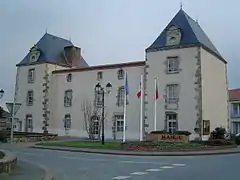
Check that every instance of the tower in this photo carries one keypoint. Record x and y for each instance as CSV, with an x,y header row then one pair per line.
x,y
194,97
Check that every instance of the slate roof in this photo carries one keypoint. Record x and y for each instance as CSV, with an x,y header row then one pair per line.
x,y
51,48
192,34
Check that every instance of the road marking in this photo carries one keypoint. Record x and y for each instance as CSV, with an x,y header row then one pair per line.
x,y
139,173
154,170
179,164
139,162
85,159
121,177
167,167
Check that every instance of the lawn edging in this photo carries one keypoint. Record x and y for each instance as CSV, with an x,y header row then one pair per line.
x,y
222,151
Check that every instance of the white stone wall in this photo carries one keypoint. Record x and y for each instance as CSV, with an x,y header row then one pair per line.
x,y
214,90
83,83
23,87
187,114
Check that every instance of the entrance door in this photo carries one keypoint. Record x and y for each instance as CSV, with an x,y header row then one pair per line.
x,y
29,123
172,122
119,126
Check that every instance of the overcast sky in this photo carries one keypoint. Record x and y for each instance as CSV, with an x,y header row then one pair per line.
x,y
110,31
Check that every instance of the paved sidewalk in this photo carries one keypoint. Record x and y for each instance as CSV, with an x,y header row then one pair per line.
x,y
138,153
25,171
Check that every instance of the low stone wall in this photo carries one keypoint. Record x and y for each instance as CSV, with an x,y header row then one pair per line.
x,y
161,136
8,161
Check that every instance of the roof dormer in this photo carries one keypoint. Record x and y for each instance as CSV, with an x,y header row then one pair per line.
x,y
34,54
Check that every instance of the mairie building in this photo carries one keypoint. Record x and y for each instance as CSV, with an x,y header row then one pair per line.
x,y
56,87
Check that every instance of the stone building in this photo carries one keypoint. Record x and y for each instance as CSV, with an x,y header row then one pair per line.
x,y
53,82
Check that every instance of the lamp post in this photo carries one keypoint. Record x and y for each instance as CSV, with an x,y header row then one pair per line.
x,y
1,93
101,91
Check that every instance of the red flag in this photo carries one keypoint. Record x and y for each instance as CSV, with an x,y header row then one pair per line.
x,y
139,93
156,92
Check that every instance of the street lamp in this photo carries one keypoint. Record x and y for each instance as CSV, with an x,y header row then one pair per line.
x,y
101,91
1,93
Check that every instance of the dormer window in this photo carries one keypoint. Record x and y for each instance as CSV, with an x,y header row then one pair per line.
x,y
69,78
34,54
120,74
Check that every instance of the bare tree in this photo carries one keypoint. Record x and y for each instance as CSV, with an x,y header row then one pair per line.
x,y
92,114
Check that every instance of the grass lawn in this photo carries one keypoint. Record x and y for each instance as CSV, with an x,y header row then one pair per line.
x,y
85,144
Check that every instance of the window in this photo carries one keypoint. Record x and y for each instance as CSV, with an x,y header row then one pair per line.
x,y
172,93
98,99
206,127
235,110
120,74
29,123
30,98
31,75
120,96
119,123
99,75
172,123
96,127
67,122
68,98
173,64
69,78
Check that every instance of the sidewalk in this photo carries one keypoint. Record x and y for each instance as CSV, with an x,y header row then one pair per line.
x,y
25,171
139,153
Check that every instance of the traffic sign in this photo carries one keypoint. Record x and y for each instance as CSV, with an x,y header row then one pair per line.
x,y
10,107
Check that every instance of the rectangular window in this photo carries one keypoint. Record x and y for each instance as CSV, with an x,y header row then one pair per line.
x,y
30,98
235,110
173,64
120,96
172,93
99,75
98,99
96,127
120,74
31,75
172,123
67,122
68,98
206,127
119,123
29,123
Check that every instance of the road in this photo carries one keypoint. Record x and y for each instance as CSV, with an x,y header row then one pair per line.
x,y
82,166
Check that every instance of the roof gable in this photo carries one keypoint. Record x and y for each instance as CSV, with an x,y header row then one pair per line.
x,y
192,34
51,51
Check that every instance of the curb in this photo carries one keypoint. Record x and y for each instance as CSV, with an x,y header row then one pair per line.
x,y
47,175
128,153
8,161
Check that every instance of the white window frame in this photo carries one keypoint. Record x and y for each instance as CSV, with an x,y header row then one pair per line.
x,y
99,75
120,96
237,106
173,64
31,75
30,98
172,91
119,123
172,120
29,122
68,98
67,122
120,74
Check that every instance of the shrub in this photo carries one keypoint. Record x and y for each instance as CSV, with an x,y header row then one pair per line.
x,y
3,136
218,133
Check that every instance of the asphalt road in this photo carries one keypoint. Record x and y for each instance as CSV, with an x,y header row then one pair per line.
x,y
81,166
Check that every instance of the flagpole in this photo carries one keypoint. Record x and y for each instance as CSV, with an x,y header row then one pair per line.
x,y
125,110
155,104
141,110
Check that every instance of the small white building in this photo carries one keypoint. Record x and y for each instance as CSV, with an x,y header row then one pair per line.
x,y
54,82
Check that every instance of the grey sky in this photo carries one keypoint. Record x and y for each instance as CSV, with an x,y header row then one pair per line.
x,y
110,31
